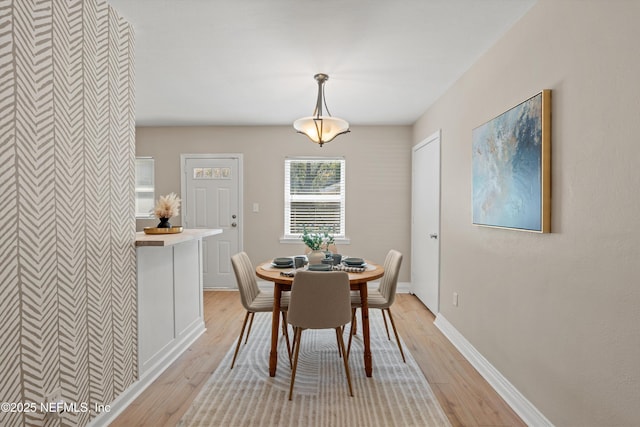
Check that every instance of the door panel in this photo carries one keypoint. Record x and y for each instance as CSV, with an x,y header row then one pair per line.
x,y
425,233
224,210
212,187
224,255
200,201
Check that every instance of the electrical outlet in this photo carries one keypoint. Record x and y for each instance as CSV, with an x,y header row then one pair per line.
x,y
455,299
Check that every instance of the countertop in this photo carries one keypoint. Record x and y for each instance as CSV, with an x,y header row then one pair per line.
x,y
143,239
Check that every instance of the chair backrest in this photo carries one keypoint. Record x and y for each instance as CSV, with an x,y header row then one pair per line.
x,y
320,300
246,278
389,281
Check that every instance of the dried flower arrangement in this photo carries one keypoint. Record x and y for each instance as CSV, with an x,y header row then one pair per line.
x,y
167,206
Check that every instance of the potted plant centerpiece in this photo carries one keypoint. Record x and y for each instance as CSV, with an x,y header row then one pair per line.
x,y
315,242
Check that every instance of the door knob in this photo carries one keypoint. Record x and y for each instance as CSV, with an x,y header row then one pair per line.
x,y
433,236
233,224
233,216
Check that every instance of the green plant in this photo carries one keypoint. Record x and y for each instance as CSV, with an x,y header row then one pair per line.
x,y
315,241
329,240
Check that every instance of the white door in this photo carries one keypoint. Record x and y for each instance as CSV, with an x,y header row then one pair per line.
x,y
425,230
211,187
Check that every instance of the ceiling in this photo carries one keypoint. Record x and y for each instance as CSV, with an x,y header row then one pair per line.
x,y
252,62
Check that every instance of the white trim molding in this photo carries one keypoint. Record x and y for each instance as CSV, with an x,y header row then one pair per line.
x,y
525,409
403,288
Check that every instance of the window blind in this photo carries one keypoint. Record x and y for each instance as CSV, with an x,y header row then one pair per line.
x,y
314,196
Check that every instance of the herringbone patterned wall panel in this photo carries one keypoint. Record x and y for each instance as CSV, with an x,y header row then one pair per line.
x,y
10,387
100,309
67,272
36,202
70,210
123,164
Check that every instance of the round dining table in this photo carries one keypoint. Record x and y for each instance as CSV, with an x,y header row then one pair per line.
x,y
282,283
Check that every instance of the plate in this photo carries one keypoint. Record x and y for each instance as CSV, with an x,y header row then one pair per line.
x,y
353,262
320,267
363,265
282,261
290,265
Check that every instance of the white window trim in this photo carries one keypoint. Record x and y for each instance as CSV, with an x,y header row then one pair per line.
x,y
296,238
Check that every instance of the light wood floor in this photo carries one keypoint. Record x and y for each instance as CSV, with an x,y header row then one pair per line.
x,y
464,395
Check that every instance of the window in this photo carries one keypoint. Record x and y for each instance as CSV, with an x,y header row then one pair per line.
x,y
145,187
314,196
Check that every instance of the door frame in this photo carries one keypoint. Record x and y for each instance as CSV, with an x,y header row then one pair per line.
x,y
436,136
237,156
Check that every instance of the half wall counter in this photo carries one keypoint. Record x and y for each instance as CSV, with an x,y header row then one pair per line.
x,y
170,300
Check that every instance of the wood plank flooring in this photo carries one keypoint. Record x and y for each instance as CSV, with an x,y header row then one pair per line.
x,y
465,396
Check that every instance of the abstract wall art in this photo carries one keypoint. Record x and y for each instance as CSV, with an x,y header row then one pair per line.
x,y
511,162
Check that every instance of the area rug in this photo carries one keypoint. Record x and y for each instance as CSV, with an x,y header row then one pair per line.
x,y
396,395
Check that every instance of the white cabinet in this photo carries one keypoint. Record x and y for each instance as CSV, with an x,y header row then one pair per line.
x,y
155,304
170,308
188,299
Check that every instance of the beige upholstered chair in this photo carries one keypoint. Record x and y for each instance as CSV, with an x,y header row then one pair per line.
x,y
254,300
319,300
382,298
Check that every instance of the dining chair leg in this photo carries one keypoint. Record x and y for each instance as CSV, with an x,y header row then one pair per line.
x,y
296,345
345,360
385,324
244,324
393,325
340,352
249,330
353,320
285,332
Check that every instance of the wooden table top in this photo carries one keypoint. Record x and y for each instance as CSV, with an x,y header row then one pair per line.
x,y
187,234
267,272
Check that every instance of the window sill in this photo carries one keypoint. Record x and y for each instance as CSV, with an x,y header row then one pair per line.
x,y
297,240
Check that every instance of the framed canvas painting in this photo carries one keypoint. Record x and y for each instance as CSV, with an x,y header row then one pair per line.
x,y
511,163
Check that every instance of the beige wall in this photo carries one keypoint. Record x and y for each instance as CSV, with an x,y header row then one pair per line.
x,y
558,314
67,264
378,181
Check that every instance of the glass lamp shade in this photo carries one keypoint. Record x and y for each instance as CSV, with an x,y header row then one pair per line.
x,y
321,129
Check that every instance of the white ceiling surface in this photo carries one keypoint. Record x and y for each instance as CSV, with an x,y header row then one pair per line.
x,y
251,62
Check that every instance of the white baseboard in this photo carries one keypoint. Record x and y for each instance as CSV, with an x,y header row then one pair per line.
x,y
521,406
403,288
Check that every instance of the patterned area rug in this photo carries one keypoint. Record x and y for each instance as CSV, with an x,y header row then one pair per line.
x,y
396,395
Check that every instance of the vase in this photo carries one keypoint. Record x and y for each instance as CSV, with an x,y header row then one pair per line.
x,y
164,223
315,257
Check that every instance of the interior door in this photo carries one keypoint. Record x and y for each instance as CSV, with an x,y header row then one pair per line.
x,y
425,230
211,199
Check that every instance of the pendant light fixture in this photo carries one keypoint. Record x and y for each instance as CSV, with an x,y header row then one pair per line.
x,y
319,128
